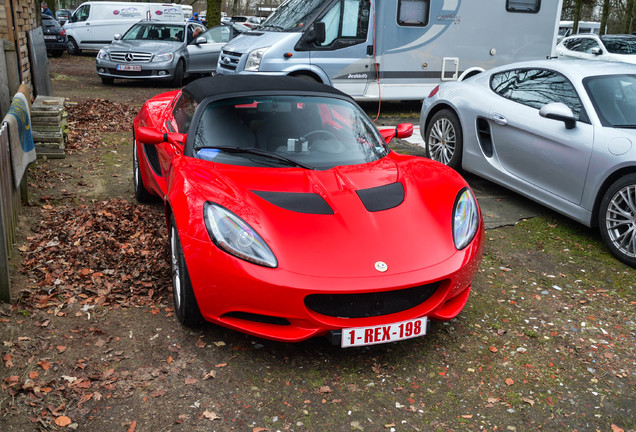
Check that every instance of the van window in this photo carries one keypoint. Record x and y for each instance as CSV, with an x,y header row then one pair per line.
x,y
528,6
82,13
413,12
346,23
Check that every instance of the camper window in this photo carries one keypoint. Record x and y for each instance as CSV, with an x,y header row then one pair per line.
x,y
347,19
531,6
413,12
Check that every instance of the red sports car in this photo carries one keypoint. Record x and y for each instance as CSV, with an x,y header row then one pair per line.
x,y
289,217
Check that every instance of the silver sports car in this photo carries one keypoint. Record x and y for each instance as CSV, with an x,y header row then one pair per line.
x,y
560,132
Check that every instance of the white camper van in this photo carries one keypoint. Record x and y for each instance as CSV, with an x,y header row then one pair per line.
x,y
393,49
93,24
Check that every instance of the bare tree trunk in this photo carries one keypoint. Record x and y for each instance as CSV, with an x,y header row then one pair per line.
x,y
604,16
629,13
214,12
577,16
235,7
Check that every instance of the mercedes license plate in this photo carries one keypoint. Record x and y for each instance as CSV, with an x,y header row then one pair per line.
x,y
135,68
361,336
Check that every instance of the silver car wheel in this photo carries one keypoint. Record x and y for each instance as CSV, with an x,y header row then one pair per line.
x,y
176,272
442,140
620,220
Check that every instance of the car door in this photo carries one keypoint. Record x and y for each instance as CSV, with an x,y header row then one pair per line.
x,y
590,49
538,151
204,57
572,46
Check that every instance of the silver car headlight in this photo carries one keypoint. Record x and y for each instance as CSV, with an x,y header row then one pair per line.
x,y
465,219
163,57
253,62
236,237
102,54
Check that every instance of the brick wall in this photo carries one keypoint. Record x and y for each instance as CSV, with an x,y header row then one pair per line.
x,y
25,17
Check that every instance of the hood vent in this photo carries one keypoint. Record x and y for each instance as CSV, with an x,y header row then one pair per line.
x,y
382,197
309,203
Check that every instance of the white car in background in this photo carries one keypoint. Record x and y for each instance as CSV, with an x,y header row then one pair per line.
x,y
617,48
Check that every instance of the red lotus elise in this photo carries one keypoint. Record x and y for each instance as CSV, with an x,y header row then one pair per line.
x,y
289,217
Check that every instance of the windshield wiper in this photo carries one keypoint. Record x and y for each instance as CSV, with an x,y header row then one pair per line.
x,y
259,152
624,126
273,27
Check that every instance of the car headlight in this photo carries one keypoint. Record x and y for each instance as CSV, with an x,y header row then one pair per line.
x,y
253,62
236,237
465,218
163,57
102,54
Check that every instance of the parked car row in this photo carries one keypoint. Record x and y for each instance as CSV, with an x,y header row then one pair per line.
x,y
620,48
560,132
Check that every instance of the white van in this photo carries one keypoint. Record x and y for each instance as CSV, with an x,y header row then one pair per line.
x,y
187,11
93,24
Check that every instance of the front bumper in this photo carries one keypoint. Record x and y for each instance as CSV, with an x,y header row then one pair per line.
x,y
148,70
282,305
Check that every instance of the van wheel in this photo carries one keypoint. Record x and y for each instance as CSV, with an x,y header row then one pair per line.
x,y
306,77
108,80
179,72
617,219
72,47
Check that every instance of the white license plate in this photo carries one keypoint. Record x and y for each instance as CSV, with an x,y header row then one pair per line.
x,y
129,68
361,336
50,37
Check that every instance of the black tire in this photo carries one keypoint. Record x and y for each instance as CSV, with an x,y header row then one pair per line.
x,y
185,304
617,219
72,47
179,73
107,80
306,77
444,139
141,193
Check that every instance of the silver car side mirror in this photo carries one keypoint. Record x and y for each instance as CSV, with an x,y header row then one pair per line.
x,y
559,111
117,36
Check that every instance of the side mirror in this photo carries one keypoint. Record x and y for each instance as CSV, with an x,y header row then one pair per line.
x,y
148,135
116,36
403,130
559,111
317,33
200,40
596,51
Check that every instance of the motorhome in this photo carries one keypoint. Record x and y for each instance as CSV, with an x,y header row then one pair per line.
x,y
93,24
393,49
565,28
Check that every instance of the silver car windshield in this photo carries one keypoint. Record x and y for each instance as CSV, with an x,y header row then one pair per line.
x,y
293,15
284,131
163,32
614,99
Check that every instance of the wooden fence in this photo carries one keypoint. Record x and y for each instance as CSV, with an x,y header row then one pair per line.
x,y
9,210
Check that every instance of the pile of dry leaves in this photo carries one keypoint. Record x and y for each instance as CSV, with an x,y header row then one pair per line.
x,y
90,118
102,252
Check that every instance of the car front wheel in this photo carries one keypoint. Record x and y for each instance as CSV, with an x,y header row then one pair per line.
x,y
72,47
179,73
617,219
141,193
185,304
444,139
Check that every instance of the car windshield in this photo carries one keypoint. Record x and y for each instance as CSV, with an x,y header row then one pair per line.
x,y
165,32
283,131
293,15
614,98
622,45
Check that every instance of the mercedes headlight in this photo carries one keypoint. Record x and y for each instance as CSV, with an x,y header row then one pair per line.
x,y
236,237
465,219
253,62
102,54
163,57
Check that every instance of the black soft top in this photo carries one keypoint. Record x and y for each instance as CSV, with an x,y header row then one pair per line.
x,y
253,84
